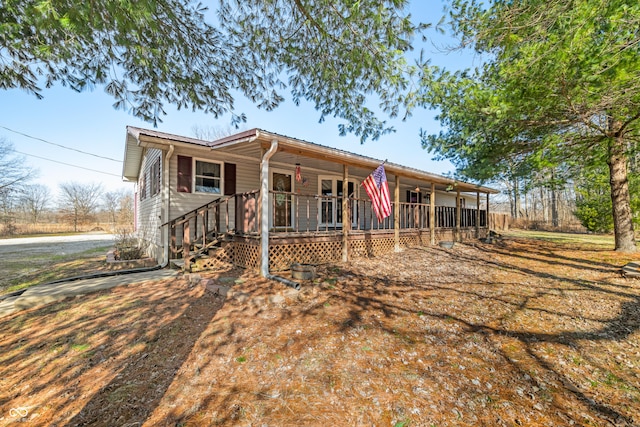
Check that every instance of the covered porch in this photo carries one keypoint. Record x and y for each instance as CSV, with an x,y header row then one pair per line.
x,y
309,206
229,230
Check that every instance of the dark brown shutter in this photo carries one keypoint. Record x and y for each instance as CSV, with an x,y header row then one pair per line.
x,y
408,199
184,174
229,179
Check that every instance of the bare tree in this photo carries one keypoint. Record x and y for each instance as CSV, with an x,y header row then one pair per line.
x,y
126,210
114,202
110,203
211,133
13,171
78,202
34,199
13,175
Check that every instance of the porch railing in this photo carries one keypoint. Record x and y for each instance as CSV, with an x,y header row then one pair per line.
x,y
239,214
321,213
208,224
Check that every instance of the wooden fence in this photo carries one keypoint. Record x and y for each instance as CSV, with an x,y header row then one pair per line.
x,y
499,221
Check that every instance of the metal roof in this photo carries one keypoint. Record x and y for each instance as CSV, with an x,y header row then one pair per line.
x,y
133,154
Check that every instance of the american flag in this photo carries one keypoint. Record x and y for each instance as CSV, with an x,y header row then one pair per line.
x,y
377,188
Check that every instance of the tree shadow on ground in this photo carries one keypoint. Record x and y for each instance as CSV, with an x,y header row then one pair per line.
x,y
140,384
102,359
362,301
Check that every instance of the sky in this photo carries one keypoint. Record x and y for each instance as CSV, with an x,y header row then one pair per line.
x,y
93,132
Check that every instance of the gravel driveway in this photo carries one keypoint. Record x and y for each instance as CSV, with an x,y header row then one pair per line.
x,y
20,257
22,247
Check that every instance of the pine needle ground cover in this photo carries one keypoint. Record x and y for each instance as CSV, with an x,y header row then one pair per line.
x,y
522,332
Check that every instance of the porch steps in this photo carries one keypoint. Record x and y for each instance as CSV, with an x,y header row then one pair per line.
x,y
177,264
199,251
631,269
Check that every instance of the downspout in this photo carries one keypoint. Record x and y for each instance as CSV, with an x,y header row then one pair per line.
x,y
264,209
167,195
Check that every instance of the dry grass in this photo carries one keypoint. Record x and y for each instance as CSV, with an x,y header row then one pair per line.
x,y
524,332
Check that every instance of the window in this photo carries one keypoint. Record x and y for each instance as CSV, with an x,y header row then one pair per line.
x,y
208,177
143,186
414,196
155,177
331,203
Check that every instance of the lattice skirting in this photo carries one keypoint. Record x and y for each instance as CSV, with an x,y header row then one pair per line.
x,y
466,234
281,256
246,254
218,259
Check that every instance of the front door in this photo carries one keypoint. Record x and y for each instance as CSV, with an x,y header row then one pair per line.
x,y
282,202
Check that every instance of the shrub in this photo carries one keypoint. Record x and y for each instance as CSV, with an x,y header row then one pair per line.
x,y
128,246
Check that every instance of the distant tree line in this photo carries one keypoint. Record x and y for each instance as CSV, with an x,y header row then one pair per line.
x,y
78,205
565,195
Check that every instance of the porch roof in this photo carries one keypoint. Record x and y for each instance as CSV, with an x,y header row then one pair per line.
x,y
251,142
261,139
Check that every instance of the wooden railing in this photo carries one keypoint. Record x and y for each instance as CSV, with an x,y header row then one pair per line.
x,y
238,214
318,213
209,223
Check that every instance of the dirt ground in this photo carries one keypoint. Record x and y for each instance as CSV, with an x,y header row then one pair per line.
x,y
521,332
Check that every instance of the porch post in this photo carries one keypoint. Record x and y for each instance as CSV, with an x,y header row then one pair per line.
x,y
168,235
477,214
264,209
346,218
432,214
396,214
458,236
487,215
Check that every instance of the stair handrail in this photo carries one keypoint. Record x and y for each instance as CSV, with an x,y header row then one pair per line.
x,y
194,212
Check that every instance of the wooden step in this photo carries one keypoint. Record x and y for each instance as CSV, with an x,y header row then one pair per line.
x,y
631,270
177,263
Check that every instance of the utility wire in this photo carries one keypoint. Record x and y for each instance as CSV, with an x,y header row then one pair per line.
x,y
66,164
59,145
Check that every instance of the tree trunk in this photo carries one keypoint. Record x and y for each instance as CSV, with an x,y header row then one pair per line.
x,y
554,208
620,198
554,201
543,203
516,199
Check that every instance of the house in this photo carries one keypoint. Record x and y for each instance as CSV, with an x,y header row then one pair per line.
x,y
262,200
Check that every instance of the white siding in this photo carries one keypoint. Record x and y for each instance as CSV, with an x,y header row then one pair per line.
x,y
247,179
150,207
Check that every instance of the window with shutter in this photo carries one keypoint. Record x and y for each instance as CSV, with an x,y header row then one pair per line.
x,y
155,177
158,176
208,177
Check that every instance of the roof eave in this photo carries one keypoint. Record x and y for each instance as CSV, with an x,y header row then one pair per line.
x,y
353,159
132,157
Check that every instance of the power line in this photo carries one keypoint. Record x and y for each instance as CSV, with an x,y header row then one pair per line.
x,y
66,164
59,145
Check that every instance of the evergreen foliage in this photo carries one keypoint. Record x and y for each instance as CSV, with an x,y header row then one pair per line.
x,y
338,55
560,83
